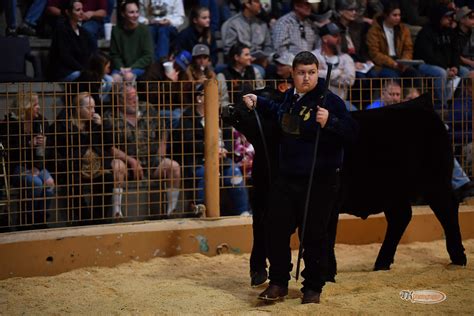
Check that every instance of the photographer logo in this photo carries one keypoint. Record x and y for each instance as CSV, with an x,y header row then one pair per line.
x,y
423,296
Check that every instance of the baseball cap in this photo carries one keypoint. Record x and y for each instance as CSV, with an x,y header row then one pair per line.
x,y
285,58
183,59
308,1
200,49
329,29
463,12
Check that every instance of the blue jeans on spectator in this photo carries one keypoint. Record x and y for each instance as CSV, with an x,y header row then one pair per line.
x,y
34,186
171,117
442,90
162,36
136,71
9,6
460,178
35,11
232,176
95,29
72,76
110,11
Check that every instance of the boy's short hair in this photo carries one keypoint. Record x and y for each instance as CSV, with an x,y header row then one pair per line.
x,y
305,58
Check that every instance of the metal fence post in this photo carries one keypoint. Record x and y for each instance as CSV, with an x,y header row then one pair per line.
x,y
211,148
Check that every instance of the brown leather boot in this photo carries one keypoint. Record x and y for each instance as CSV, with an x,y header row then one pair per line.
x,y
274,292
310,296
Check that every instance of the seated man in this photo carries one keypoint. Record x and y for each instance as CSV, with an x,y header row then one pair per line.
x,y
391,94
189,144
141,145
247,28
343,71
436,45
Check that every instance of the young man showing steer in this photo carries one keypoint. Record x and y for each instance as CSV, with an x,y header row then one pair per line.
x,y
301,117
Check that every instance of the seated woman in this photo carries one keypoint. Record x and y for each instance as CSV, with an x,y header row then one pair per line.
x,y
83,160
71,45
96,79
26,139
189,146
131,47
198,32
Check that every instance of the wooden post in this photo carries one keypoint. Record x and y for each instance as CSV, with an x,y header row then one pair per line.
x,y
211,148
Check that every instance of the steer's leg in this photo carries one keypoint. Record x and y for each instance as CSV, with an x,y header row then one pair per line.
x,y
332,231
446,209
398,216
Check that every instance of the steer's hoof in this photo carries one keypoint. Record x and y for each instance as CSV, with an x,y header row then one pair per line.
x,y
381,267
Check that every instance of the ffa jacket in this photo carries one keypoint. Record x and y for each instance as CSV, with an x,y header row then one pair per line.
x,y
296,151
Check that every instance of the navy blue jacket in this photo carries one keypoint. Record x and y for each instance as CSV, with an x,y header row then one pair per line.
x,y
189,37
296,152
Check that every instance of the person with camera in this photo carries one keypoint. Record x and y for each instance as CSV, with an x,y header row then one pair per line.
x,y
303,118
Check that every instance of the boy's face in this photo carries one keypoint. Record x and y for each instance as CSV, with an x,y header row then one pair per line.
x,y
305,77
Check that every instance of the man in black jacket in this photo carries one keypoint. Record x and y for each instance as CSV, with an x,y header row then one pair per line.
x,y
301,117
436,45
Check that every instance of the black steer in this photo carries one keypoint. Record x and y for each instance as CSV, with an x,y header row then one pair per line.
x,y
403,152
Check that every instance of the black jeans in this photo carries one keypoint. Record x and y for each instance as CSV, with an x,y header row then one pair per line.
x,y
285,214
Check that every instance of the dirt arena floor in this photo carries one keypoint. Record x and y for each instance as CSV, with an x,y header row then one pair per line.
x,y
200,285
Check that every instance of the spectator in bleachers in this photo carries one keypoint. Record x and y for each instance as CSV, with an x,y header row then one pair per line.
x,y
200,68
164,91
140,143
353,38
9,8
411,93
93,16
219,10
163,18
239,77
368,9
82,158
436,45
343,71
190,147
465,19
246,28
131,47
198,32
25,140
389,40
294,32
283,71
96,79
71,45
414,15
244,153
391,94
32,16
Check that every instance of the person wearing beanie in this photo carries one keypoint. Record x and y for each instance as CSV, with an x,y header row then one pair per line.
x,y
436,45
465,40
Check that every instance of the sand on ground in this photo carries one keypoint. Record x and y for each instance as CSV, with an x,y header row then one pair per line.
x,y
200,285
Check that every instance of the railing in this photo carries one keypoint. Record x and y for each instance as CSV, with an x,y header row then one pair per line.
x,y
180,157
